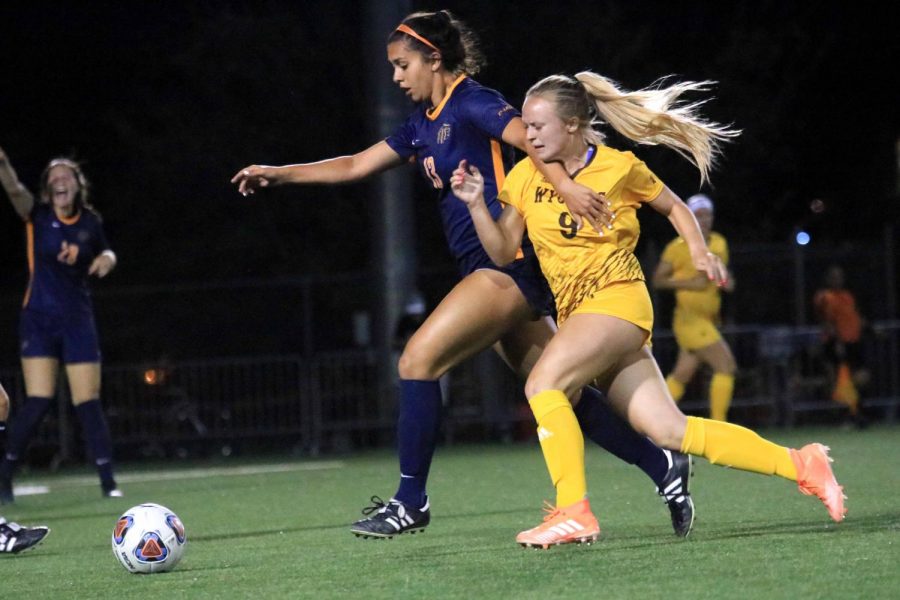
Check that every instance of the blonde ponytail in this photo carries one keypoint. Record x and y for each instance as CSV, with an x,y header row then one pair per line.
x,y
653,116
649,116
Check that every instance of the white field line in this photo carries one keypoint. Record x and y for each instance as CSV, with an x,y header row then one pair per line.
x,y
36,486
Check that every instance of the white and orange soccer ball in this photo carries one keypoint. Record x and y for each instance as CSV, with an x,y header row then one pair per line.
x,y
148,538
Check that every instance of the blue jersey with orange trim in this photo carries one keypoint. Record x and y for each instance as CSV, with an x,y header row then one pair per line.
x,y
56,287
467,124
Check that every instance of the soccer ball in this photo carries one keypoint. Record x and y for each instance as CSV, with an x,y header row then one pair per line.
x,y
148,538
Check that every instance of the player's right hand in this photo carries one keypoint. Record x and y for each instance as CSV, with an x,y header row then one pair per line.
x,y
467,183
249,179
712,267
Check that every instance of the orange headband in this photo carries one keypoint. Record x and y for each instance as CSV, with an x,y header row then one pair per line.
x,y
409,31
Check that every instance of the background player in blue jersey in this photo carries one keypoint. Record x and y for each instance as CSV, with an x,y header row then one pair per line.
x,y
433,56
66,244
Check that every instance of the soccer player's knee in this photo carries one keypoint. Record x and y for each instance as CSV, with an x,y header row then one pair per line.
x,y
683,374
538,382
532,388
416,365
664,434
724,363
729,367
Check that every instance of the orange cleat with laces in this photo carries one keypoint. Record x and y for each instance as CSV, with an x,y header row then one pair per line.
x,y
815,478
574,524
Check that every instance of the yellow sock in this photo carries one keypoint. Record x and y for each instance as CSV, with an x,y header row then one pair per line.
x,y
845,391
676,388
721,388
562,444
735,446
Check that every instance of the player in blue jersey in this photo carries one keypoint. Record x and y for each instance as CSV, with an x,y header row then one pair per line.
x,y
433,56
66,244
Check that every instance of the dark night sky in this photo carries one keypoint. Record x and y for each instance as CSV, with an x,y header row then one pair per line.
x,y
164,101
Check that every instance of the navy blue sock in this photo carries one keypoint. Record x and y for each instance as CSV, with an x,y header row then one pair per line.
x,y
26,423
603,426
2,437
96,435
417,432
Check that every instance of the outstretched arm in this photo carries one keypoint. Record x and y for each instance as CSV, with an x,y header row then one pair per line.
x,y
342,169
582,201
684,222
19,196
501,238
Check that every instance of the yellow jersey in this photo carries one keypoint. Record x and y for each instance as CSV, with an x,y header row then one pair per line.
x,y
578,263
702,303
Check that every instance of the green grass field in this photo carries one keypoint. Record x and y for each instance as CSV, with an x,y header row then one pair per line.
x,y
278,529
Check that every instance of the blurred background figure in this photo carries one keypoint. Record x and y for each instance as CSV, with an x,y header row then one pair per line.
x,y
66,245
696,319
842,330
413,316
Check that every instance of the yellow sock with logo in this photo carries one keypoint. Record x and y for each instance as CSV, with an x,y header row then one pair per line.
x,y
676,388
735,446
721,389
562,444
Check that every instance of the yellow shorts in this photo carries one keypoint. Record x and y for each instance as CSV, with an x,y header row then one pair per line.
x,y
693,332
628,300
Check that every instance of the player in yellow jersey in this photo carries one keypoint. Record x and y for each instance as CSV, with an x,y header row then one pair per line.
x,y
433,56
605,314
696,319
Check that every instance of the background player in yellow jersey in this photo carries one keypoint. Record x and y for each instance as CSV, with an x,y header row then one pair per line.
x,y
605,314
696,319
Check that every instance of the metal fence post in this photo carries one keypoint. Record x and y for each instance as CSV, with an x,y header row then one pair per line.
x,y
799,285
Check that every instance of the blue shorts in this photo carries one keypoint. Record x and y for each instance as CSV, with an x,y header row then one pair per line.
x,y
70,338
526,272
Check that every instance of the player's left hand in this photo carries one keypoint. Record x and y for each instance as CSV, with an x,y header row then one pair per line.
x,y
68,253
712,266
728,286
101,266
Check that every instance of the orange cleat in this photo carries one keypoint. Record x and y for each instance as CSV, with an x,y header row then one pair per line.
x,y
573,524
815,478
